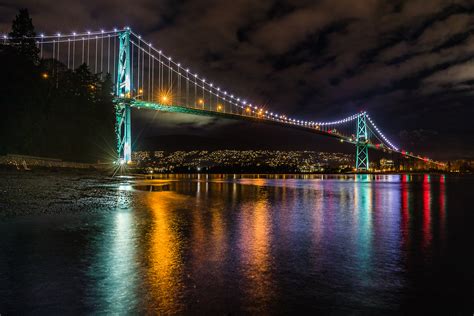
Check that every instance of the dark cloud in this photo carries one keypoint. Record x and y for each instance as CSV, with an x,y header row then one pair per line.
x,y
407,62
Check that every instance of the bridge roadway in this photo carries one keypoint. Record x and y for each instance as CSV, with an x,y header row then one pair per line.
x,y
236,116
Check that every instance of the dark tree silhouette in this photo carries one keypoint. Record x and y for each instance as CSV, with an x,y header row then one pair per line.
x,y
67,114
22,35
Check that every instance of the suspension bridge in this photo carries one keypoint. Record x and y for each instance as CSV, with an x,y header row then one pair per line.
x,y
146,78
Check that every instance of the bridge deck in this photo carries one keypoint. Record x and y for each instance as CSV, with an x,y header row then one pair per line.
x,y
233,116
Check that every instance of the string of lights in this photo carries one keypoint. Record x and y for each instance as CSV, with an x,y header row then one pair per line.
x,y
181,72
381,134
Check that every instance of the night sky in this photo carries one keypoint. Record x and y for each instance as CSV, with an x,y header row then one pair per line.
x,y
408,63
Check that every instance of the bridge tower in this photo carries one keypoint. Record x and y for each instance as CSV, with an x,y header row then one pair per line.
x,y
362,147
123,93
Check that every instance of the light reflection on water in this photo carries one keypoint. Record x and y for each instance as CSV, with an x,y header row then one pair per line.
x,y
264,244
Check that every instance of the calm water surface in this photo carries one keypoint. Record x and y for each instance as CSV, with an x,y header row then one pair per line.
x,y
249,244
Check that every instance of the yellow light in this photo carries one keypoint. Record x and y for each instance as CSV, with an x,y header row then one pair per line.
x,y
219,107
201,101
164,98
140,91
45,75
247,110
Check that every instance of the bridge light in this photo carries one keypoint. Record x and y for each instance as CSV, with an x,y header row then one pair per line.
x,y
219,107
201,101
247,110
165,99
45,75
88,32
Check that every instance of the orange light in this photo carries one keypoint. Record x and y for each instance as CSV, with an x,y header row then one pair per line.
x,y
219,107
45,75
140,91
247,110
201,101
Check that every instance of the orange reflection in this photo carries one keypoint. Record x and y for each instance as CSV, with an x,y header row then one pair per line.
x,y
164,257
255,242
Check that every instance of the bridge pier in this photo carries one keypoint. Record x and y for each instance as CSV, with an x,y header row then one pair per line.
x,y
362,146
123,131
123,94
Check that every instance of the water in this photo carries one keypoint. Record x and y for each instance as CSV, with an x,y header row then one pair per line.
x,y
247,244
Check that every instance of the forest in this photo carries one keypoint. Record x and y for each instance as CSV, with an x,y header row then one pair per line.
x,y
49,110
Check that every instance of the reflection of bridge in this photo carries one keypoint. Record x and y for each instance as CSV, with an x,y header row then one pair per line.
x,y
146,78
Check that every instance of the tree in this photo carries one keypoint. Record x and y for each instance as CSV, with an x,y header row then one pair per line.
x,y
22,35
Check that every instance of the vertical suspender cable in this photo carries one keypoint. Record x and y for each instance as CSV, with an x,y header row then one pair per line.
x,y
143,71
149,72
160,73
108,54
179,86
153,79
101,56
53,56
83,50
68,51
73,52
88,49
138,68
169,74
96,48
